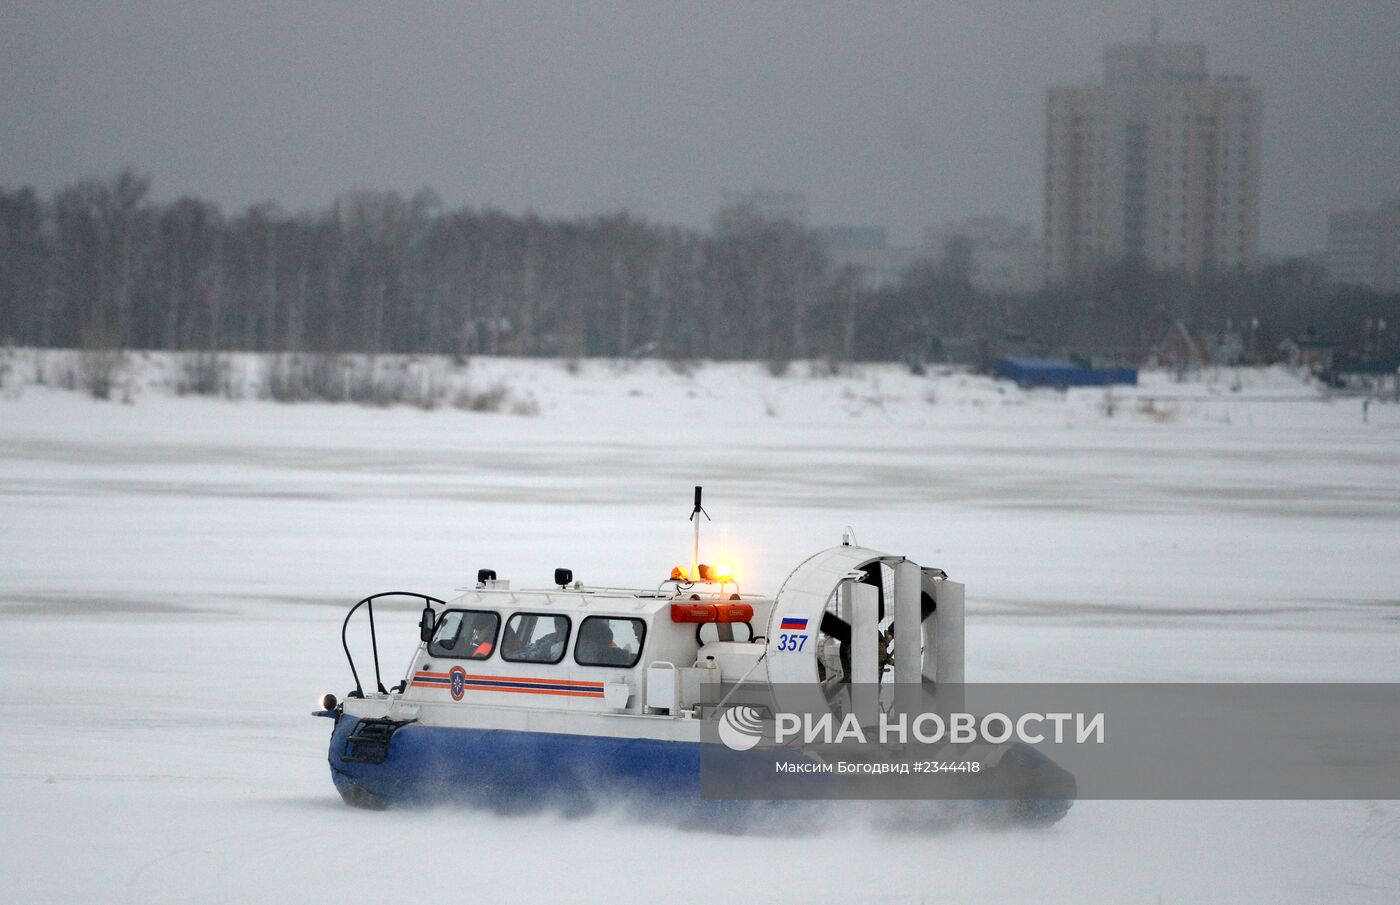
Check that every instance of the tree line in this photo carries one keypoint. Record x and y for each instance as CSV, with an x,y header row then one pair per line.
x,y
100,264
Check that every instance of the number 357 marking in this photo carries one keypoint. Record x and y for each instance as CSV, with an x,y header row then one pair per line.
x,y
790,642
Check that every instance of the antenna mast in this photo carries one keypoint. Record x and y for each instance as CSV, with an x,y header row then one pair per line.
x,y
1156,23
695,548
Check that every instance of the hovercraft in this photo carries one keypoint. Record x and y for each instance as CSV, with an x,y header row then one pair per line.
x,y
569,696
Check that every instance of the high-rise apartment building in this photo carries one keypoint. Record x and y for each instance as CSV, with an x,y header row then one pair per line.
x,y
1160,163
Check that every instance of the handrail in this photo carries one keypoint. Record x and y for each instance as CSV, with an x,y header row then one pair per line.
x,y
682,587
373,640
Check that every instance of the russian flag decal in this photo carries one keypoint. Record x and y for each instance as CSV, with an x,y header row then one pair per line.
x,y
793,624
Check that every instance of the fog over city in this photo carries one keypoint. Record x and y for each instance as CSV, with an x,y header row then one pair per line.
x,y
894,116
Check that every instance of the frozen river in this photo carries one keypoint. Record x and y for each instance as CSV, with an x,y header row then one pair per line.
x,y
173,574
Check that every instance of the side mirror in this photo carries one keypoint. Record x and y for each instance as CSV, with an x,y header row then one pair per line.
x,y
426,624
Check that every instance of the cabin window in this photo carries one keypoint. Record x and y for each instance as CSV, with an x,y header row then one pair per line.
x,y
610,641
535,638
465,634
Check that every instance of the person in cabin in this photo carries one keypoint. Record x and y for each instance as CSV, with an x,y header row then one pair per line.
x,y
479,648
594,640
511,641
598,646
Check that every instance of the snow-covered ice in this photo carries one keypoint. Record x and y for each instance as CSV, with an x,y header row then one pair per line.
x,y
173,574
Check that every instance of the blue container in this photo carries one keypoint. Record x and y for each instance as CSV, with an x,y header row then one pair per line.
x,y
1054,372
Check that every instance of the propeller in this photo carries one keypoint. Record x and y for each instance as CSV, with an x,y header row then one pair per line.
x,y
835,627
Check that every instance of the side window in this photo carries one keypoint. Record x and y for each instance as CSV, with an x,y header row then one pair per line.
x,y
610,641
465,635
535,638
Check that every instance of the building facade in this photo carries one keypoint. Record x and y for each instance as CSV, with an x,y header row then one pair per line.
x,y
1004,254
1160,163
866,252
1363,247
767,204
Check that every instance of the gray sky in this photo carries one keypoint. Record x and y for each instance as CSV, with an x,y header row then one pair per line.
x,y
884,114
